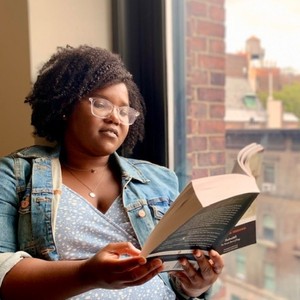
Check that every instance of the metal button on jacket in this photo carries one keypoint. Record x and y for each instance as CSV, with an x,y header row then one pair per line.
x,y
142,213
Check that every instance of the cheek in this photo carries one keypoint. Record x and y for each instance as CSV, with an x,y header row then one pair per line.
x,y
80,125
123,133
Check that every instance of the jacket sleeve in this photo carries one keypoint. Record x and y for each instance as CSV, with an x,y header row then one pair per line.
x,y
8,260
9,254
9,205
180,295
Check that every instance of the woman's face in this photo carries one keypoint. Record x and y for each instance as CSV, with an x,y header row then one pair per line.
x,y
94,136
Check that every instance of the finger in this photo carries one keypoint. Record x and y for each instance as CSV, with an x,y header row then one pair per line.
x,y
123,248
123,265
143,273
205,266
217,261
190,273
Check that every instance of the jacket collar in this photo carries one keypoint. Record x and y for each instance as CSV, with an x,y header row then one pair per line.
x,y
129,167
37,151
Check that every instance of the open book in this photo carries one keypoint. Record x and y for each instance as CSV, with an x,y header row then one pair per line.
x,y
210,213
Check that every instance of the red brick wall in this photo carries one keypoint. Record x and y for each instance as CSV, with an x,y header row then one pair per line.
x,y
237,65
205,69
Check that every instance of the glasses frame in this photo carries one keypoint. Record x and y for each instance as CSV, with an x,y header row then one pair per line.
x,y
131,111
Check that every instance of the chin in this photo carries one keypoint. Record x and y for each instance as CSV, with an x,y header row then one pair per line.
x,y
104,151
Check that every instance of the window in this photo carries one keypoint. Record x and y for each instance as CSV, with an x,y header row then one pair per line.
x,y
240,265
269,277
269,227
269,178
218,88
250,101
196,118
139,37
269,173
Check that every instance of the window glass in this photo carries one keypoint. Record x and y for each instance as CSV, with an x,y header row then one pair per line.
x,y
250,101
268,227
269,277
241,264
237,81
269,173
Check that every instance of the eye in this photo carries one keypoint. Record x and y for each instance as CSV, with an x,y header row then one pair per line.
x,y
101,104
123,111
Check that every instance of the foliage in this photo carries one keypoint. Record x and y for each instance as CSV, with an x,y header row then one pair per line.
x,y
289,95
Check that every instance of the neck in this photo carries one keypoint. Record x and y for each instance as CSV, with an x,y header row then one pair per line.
x,y
83,161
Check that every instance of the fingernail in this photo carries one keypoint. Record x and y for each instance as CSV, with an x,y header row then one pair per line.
x,y
183,262
198,254
142,260
157,263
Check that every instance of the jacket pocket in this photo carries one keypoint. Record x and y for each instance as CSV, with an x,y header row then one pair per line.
x,y
159,207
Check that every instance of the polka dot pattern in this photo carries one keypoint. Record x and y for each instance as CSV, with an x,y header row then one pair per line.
x,y
81,230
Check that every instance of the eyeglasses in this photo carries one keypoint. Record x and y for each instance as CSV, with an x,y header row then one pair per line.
x,y
102,108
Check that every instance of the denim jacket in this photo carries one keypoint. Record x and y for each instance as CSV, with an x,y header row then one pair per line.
x,y
30,189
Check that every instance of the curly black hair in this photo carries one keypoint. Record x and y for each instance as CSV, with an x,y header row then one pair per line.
x,y
71,74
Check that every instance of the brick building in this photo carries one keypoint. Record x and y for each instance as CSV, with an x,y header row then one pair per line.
x,y
205,79
247,74
269,270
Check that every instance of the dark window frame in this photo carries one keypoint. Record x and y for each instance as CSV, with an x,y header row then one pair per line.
x,y
139,38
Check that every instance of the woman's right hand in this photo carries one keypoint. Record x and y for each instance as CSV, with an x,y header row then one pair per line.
x,y
117,266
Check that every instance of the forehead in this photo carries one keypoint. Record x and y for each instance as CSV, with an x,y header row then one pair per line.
x,y
116,92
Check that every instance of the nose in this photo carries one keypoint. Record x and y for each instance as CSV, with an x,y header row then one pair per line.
x,y
114,116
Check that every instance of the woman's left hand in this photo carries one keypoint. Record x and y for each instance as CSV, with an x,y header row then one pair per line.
x,y
194,282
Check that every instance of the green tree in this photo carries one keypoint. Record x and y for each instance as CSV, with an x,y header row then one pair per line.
x,y
289,95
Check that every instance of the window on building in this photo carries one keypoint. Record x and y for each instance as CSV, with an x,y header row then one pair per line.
x,y
241,264
250,101
269,178
269,172
269,227
269,277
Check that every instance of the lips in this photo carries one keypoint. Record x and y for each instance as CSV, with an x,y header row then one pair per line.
x,y
110,131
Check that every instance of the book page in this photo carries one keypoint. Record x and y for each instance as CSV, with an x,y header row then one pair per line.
x,y
210,190
248,161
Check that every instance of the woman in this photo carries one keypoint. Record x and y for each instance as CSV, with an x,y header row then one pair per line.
x,y
75,216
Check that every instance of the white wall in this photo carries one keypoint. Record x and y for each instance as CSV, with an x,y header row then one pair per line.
x,y
30,32
14,76
54,23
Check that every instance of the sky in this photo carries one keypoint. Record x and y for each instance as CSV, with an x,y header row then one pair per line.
x,y
275,22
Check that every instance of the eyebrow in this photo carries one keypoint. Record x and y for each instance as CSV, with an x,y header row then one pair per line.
x,y
105,98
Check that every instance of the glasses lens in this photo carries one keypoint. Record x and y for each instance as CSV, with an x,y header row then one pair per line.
x,y
103,108
127,115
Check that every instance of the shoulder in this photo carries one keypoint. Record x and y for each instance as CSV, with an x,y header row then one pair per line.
x,y
35,151
154,177
147,164
147,168
22,159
